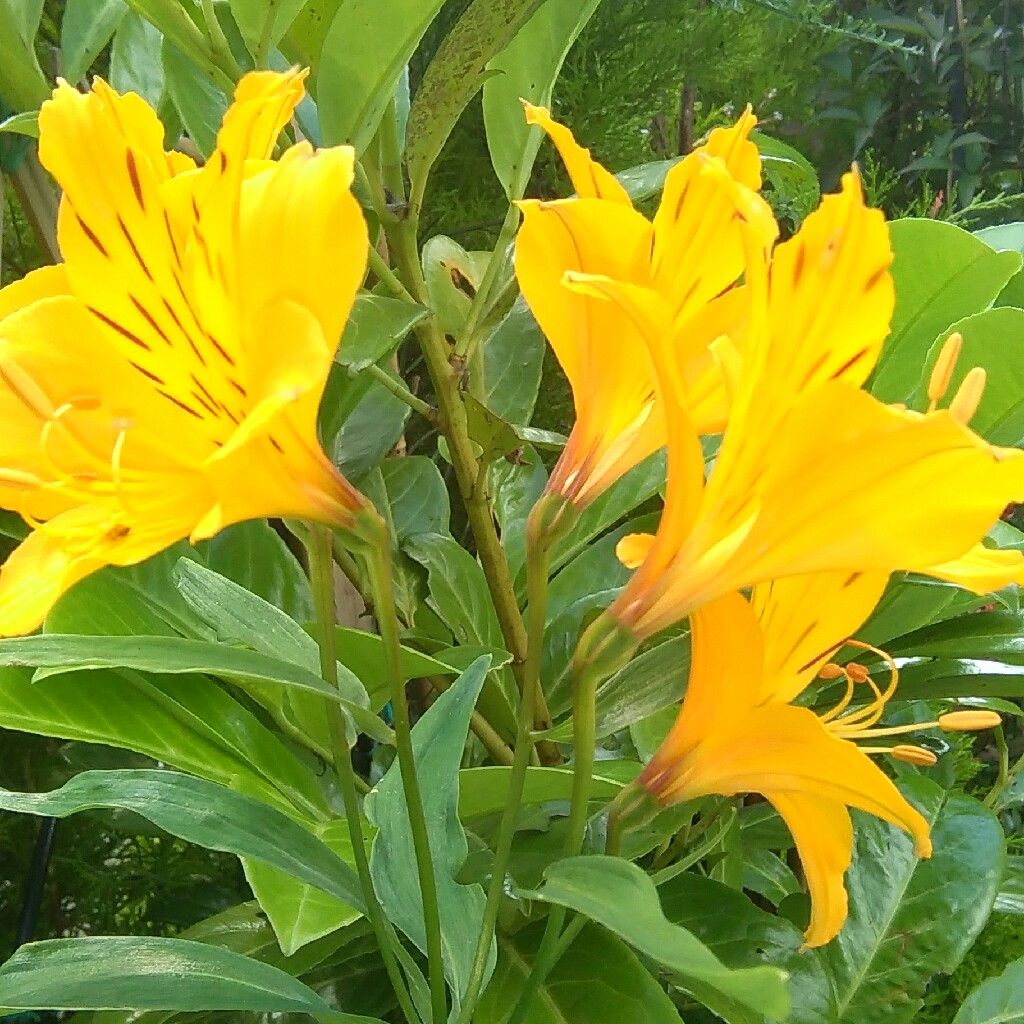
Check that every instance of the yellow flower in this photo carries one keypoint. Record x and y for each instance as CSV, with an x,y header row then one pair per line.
x,y
163,381
738,732
813,473
691,255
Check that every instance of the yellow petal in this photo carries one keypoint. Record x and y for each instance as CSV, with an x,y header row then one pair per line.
x,y
698,241
982,569
588,177
73,545
633,549
824,840
805,619
43,283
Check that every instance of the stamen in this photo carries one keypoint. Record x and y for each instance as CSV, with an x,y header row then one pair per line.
x,y
968,396
913,755
942,371
857,672
831,671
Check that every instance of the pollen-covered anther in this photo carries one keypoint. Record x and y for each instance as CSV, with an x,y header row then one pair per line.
x,y
968,396
942,371
910,754
969,721
856,672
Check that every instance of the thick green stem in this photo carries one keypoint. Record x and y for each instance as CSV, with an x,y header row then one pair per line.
x,y
537,589
261,58
379,561
453,424
379,266
321,570
219,44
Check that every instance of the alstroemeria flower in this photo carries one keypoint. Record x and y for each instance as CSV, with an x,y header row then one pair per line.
x,y
690,255
814,474
738,732
164,380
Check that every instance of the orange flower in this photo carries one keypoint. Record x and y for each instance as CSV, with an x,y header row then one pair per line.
x,y
691,255
163,382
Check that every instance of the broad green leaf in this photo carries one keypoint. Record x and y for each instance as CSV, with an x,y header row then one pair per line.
x,y
204,813
26,123
454,76
620,896
255,556
898,933
200,104
515,488
187,721
451,275
303,42
960,677
136,63
85,29
645,180
992,635
999,1000
360,65
264,22
439,739
527,69
483,790
993,340
417,497
505,369
791,180
149,973
598,980
741,935
300,912
1010,898
22,85
375,328
1002,237
942,275
459,595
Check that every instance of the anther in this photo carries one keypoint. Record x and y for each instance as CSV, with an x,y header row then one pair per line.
x,y
969,721
857,672
942,371
913,755
968,396
831,671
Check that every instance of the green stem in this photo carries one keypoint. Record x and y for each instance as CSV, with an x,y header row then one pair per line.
x,y
387,276
499,750
219,43
261,58
391,154
384,603
495,265
400,391
537,589
543,962
321,570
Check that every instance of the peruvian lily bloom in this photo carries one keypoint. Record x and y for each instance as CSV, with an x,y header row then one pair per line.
x,y
738,731
691,255
164,380
918,491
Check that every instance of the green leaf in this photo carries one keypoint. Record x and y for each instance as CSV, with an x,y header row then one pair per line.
x,y
792,181
417,497
483,790
204,813
360,65
993,340
26,123
22,85
741,935
620,896
898,934
136,64
598,980
375,328
1010,898
942,275
454,76
527,69
300,912
149,973
188,722
505,369
451,275
1003,237
85,29
998,1000
200,104
993,635
439,739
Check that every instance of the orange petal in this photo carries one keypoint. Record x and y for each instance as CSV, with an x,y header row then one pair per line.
x,y
982,569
